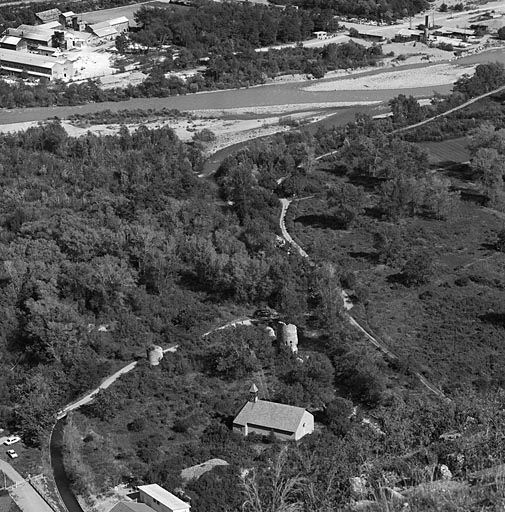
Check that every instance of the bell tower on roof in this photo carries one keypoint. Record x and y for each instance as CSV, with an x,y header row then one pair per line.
x,y
253,393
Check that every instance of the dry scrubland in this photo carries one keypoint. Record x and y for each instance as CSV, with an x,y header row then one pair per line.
x,y
451,328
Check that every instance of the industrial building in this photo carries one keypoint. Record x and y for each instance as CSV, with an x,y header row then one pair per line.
x,y
33,65
161,500
13,43
110,29
49,15
34,36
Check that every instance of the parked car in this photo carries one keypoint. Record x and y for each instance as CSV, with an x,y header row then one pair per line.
x,y
265,314
12,454
11,440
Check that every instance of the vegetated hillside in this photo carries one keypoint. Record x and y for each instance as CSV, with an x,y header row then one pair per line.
x,y
116,232
394,257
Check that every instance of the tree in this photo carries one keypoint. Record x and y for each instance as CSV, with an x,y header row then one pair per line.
x,y
346,203
337,415
237,352
500,241
405,110
402,196
418,269
122,43
389,244
218,489
309,383
487,77
104,406
274,490
330,309
501,33
204,135
488,164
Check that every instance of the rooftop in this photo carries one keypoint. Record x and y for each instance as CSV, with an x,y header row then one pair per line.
x,y
68,13
105,31
270,415
50,25
10,40
130,506
26,58
27,31
109,23
163,496
48,15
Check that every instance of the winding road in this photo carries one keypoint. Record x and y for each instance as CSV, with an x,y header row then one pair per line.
x,y
104,385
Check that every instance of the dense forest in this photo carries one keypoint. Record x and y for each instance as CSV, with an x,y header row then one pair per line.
x,y
385,10
224,27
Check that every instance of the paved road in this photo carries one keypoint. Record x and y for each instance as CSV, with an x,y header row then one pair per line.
x,y
233,323
285,234
104,385
24,495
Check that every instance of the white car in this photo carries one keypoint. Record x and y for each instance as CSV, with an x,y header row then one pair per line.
x,y
11,440
12,454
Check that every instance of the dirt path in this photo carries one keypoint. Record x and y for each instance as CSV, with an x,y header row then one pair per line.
x,y
347,304
429,120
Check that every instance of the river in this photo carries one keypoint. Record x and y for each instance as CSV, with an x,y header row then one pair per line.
x,y
60,477
290,93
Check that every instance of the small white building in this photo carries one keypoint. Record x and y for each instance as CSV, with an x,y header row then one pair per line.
x,y
321,34
110,28
161,500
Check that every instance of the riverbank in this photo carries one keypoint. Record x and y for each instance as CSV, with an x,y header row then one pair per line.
x,y
439,74
230,126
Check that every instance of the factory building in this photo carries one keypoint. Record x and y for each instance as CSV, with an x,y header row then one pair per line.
x,y
38,66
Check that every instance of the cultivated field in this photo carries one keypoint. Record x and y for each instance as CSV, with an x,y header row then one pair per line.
x,y
454,150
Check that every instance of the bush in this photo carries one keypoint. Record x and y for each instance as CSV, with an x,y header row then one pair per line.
x,y
418,269
204,135
137,425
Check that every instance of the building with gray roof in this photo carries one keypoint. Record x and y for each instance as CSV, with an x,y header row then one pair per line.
x,y
39,66
161,500
49,15
285,422
131,506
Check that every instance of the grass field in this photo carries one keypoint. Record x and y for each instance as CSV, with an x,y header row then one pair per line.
x,y
452,328
7,505
454,150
